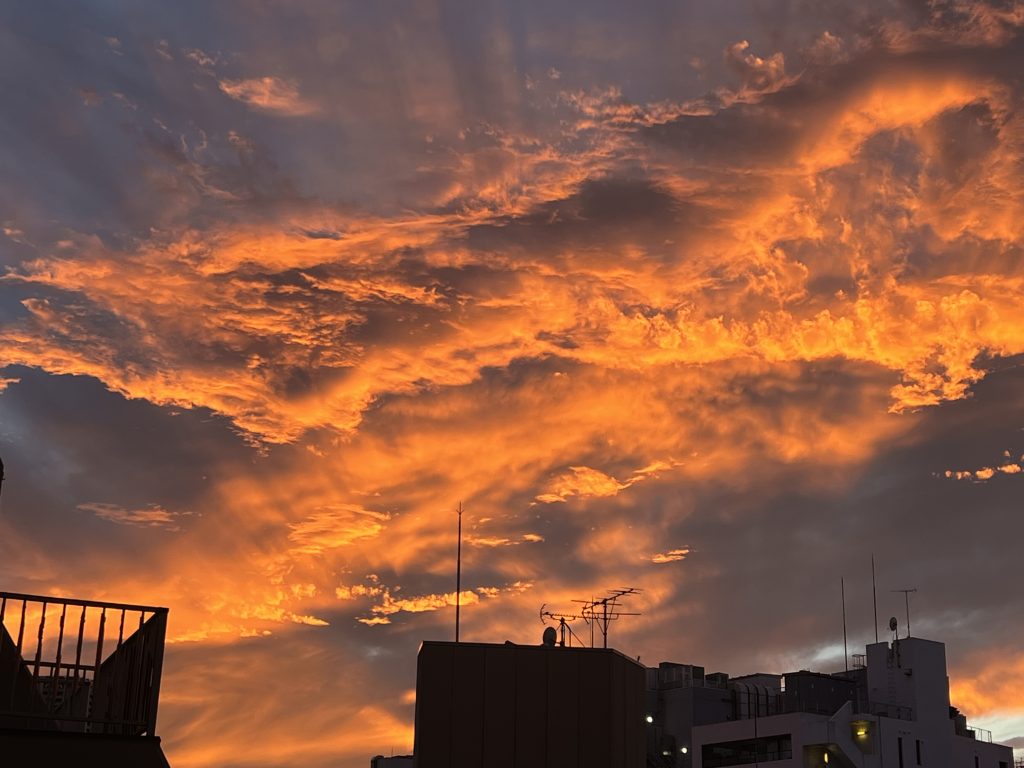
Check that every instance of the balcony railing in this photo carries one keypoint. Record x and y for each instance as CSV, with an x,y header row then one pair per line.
x,y
748,705
978,734
61,669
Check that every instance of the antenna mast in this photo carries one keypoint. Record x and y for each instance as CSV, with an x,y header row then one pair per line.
x,y
605,610
563,619
906,596
846,655
458,576
874,594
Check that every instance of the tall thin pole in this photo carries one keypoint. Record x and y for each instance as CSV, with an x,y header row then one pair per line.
x,y
605,628
906,595
874,594
458,576
846,655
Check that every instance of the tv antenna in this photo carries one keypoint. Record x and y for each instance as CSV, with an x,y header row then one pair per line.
x,y
604,610
906,596
563,619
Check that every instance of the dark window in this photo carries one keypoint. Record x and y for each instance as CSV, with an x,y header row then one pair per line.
x,y
976,762
1003,764
917,746
899,748
761,750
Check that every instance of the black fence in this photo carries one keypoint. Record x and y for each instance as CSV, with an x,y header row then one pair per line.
x,y
61,668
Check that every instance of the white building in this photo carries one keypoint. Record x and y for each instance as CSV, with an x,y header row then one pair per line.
x,y
891,712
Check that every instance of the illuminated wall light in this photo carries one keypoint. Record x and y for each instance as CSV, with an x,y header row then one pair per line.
x,y
650,718
684,750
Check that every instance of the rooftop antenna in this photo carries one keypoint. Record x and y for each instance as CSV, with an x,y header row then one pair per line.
x,y
846,655
563,620
458,576
605,610
874,594
906,596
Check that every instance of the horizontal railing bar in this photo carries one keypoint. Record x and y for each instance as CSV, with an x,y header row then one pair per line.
x,y
69,718
66,666
50,600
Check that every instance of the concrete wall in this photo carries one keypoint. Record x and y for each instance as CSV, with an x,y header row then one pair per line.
x,y
988,755
804,729
676,711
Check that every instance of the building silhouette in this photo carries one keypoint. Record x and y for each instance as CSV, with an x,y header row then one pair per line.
x,y
513,706
395,761
79,682
892,710
518,706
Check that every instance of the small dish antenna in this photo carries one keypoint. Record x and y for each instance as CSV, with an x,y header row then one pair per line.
x,y
893,623
550,637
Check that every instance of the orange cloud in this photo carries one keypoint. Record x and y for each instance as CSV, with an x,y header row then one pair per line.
x,y
381,612
587,482
335,527
989,685
673,555
153,516
986,473
581,481
270,94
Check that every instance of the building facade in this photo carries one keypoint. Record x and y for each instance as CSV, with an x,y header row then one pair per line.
x,y
891,711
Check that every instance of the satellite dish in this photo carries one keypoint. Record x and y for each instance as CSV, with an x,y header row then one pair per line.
x,y
893,623
550,637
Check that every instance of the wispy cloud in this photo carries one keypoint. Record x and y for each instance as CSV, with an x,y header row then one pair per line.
x,y
388,601
672,556
587,482
1008,466
270,94
334,527
151,516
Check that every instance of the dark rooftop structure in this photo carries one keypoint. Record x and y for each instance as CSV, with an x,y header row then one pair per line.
x,y
79,682
522,706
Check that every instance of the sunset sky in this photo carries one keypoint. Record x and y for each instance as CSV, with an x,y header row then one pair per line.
x,y
711,299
